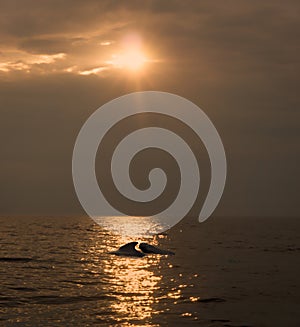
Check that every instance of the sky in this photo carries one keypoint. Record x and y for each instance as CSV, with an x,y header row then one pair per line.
x,y
237,60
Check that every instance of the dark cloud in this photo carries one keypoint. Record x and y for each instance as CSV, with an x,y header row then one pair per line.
x,y
46,46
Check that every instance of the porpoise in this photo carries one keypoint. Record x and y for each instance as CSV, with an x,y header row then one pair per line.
x,y
129,250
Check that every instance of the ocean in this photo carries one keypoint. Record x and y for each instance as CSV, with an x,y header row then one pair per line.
x,y
56,271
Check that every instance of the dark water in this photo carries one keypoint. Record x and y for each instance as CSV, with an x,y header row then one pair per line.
x,y
226,272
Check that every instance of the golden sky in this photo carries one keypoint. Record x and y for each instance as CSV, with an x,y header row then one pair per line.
x,y
237,60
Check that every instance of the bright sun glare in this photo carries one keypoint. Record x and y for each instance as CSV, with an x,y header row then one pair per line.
x,y
131,59
131,56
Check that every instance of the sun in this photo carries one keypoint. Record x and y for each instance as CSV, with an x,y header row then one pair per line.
x,y
130,55
131,59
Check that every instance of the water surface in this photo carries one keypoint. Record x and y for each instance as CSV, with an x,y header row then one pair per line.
x,y
55,271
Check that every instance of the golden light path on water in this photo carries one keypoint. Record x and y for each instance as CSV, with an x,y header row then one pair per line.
x,y
130,282
131,226
134,283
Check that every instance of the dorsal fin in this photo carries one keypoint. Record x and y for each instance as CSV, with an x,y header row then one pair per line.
x,y
128,250
128,247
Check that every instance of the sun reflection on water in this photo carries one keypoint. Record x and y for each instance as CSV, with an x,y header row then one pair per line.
x,y
133,284
132,226
138,291
130,282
